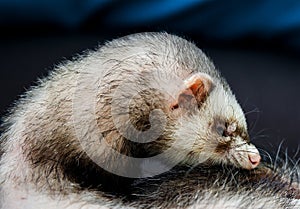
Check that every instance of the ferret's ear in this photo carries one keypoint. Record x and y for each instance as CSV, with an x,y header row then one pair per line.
x,y
197,88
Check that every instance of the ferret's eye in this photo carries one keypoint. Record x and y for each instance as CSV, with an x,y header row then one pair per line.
x,y
221,129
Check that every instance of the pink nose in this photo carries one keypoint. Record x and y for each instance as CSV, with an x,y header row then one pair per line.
x,y
254,159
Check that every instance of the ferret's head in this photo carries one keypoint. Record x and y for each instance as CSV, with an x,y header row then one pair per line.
x,y
212,126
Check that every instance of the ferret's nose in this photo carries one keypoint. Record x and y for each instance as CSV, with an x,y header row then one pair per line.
x,y
254,158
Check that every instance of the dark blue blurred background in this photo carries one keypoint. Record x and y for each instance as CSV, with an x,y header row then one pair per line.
x,y
255,44
213,20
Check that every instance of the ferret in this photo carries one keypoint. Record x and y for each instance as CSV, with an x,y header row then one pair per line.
x,y
134,108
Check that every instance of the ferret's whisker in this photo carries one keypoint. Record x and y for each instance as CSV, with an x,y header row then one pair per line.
x,y
297,152
286,158
245,151
245,102
277,158
265,153
254,124
296,164
259,132
255,110
259,137
239,145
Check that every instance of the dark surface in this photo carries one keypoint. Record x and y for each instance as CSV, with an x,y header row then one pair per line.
x,y
266,80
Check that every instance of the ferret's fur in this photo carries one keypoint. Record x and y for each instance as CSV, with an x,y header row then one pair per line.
x,y
50,155
202,187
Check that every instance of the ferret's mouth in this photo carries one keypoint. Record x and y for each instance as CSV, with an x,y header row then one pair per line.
x,y
246,158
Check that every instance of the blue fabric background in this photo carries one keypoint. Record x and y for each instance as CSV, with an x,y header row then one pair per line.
x,y
217,19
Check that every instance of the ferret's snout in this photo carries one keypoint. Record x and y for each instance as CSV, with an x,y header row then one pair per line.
x,y
254,158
